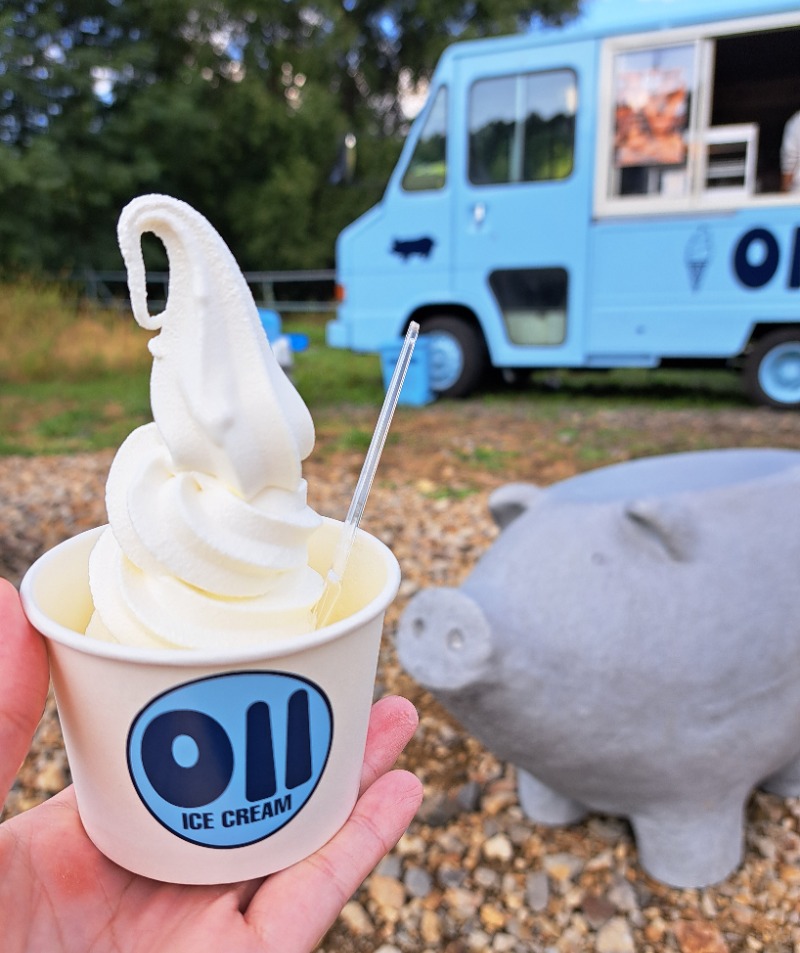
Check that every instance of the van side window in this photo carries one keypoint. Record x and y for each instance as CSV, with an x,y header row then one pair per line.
x,y
427,169
522,127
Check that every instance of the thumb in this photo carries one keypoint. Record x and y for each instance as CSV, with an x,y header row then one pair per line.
x,y
24,677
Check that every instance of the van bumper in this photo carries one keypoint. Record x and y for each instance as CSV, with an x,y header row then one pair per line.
x,y
336,334
365,335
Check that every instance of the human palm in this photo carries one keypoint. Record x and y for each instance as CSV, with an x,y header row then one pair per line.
x,y
58,893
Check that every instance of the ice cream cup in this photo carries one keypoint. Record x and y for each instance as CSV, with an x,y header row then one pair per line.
x,y
212,767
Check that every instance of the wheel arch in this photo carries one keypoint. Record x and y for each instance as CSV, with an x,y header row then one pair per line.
x,y
460,311
761,329
459,352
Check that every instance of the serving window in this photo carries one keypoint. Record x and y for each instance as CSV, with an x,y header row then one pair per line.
x,y
696,119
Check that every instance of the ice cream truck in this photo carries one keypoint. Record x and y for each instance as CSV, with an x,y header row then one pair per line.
x,y
605,194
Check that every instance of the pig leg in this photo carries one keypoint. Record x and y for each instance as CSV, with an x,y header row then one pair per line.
x,y
785,782
685,844
544,805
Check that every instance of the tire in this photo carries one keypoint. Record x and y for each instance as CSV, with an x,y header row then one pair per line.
x,y
772,369
458,355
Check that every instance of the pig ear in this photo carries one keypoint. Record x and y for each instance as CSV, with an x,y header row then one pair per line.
x,y
670,526
510,501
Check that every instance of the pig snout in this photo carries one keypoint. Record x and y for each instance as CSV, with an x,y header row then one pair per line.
x,y
444,640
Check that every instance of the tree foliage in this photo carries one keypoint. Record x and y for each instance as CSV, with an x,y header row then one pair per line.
x,y
240,107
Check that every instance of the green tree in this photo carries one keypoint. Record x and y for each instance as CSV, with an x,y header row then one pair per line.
x,y
377,41
68,68
237,106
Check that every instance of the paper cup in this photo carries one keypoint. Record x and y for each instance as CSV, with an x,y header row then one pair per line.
x,y
212,767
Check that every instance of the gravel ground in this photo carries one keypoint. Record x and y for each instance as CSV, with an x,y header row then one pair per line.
x,y
473,874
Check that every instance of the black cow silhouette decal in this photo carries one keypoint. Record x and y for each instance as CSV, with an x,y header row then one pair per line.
x,y
413,246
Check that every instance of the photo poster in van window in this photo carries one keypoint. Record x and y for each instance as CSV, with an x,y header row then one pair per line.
x,y
652,89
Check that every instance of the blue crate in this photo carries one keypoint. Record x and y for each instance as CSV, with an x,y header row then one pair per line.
x,y
416,390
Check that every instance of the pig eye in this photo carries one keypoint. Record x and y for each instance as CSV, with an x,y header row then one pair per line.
x,y
418,627
455,639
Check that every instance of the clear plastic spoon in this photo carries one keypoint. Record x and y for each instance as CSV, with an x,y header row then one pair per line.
x,y
333,581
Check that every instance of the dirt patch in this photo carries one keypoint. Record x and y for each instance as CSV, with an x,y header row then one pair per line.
x,y
462,447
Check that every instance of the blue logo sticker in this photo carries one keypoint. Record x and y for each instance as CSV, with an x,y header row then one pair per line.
x,y
228,760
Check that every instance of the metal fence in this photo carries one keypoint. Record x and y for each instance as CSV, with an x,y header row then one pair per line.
x,y
288,292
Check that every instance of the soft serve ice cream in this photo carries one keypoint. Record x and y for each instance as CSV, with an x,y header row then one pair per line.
x,y
215,759
208,520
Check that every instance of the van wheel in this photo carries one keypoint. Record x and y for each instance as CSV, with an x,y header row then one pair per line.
x,y
772,369
458,355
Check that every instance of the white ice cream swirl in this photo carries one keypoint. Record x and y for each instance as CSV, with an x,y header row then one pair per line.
x,y
209,525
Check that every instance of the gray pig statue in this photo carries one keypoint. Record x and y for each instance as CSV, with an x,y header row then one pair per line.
x,y
631,643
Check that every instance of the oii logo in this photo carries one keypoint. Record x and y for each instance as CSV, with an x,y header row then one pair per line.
x,y
228,760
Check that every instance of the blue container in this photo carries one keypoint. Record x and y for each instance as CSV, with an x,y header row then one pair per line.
x,y
271,322
416,390
299,342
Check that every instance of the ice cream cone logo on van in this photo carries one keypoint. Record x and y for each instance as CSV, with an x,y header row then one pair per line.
x,y
698,255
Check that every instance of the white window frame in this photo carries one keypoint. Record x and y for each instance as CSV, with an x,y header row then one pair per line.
x,y
698,198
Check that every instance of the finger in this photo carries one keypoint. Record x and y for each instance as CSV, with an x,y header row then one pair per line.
x,y
294,908
24,677
392,724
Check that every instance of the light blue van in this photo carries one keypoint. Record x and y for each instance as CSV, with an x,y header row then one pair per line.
x,y
607,194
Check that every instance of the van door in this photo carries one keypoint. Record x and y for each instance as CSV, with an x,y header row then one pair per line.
x,y
396,257
521,217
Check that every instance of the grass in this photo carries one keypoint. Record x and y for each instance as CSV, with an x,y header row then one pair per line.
x,y
326,376
74,378
45,335
450,492
72,416
659,387
486,458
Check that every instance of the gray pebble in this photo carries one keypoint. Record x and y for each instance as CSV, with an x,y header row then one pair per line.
x,y
418,882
